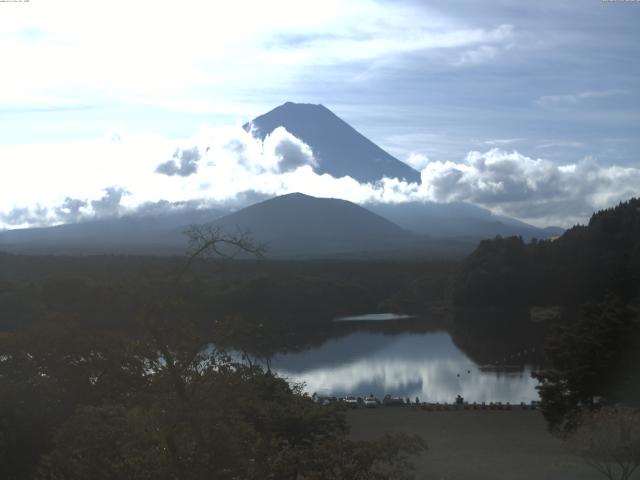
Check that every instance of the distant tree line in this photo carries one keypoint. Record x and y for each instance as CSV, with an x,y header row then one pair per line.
x,y
580,266
292,304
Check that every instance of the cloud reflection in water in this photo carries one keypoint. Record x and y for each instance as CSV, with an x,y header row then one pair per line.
x,y
426,365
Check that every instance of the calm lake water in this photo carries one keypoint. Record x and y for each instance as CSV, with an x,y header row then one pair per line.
x,y
373,317
427,365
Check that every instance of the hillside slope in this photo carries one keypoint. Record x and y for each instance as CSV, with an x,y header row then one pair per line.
x,y
584,264
297,224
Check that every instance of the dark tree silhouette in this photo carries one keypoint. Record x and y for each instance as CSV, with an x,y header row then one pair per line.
x,y
592,363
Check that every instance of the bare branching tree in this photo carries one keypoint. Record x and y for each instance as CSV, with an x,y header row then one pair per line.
x,y
184,351
609,441
212,242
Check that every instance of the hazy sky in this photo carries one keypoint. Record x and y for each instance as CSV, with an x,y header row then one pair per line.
x,y
531,109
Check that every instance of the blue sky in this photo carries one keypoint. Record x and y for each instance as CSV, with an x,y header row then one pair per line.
x,y
556,82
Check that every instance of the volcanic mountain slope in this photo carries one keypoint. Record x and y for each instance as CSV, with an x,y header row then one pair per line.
x,y
338,147
301,225
141,235
457,220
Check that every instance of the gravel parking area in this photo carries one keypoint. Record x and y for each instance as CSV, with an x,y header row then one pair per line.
x,y
477,444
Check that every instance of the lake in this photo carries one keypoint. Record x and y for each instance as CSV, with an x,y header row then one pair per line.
x,y
427,365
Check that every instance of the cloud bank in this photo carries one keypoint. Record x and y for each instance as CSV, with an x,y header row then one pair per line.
x,y
127,174
218,47
183,163
535,190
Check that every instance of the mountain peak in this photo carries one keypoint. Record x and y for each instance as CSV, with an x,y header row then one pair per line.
x,y
302,105
339,149
301,111
299,224
295,195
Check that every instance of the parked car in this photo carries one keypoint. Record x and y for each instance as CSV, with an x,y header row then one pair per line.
x,y
392,401
371,402
351,402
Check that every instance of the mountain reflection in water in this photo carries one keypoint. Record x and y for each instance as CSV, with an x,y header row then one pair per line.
x,y
426,365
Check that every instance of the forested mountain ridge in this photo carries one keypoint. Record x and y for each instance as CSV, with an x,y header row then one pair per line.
x,y
583,264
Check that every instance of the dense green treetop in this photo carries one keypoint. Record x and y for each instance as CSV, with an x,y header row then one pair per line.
x,y
582,265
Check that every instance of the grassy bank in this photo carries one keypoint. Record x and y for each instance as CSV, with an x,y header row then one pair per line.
x,y
475,445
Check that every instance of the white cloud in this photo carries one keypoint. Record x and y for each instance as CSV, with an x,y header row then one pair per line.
x,y
574,98
482,54
187,56
290,152
417,161
394,40
183,163
49,184
536,190
501,142
116,174
561,144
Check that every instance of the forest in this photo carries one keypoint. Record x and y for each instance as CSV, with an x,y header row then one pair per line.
x,y
591,274
579,266
120,368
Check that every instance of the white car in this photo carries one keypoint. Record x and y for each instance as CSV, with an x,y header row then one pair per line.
x,y
370,402
351,402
